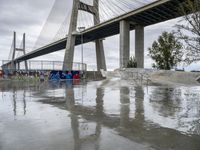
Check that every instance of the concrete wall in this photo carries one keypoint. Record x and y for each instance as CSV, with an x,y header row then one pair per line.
x,y
157,76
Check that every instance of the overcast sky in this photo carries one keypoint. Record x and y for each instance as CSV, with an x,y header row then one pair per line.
x,y
29,16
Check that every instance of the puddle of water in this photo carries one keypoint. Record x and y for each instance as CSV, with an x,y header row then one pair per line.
x,y
98,116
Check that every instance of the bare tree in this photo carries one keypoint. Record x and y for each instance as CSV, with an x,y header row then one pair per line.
x,y
189,30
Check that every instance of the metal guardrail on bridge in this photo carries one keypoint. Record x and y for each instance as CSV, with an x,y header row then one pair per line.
x,y
46,65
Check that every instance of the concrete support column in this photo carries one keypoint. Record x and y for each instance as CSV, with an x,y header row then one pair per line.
x,y
13,65
100,56
124,43
139,46
18,66
14,45
70,45
24,51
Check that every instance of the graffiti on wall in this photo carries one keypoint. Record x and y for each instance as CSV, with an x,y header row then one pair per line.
x,y
64,75
41,75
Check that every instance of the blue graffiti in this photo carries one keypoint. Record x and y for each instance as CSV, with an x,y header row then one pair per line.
x,y
64,75
54,76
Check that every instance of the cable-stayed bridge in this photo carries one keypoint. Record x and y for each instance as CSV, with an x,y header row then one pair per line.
x,y
107,18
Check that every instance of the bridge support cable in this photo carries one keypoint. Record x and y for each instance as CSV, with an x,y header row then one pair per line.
x,y
114,8
117,7
40,41
125,4
53,23
129,4
64,27
107,12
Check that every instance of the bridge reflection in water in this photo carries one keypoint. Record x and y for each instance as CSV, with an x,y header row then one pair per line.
x,y
102,116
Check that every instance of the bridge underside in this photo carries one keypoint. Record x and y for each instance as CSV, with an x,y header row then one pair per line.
x,y
153,13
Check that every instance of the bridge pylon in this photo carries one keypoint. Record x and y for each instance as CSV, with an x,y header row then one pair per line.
x,y
70,45
16,65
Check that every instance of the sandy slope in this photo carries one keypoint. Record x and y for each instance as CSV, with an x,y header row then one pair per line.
x,y
161,77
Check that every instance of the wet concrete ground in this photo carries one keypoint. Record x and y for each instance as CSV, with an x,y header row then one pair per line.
x,y
101,115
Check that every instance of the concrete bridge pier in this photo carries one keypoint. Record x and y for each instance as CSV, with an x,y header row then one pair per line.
x,y
124,43
100,56
139,46
13,64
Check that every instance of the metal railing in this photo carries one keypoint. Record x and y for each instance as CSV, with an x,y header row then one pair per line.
x,y
44,65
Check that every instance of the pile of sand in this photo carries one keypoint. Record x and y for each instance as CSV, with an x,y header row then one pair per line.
x,y
162,77
175,77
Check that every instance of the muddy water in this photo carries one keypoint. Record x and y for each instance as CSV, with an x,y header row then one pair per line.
x,y
99,115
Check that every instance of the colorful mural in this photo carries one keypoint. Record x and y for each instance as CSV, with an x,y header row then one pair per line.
x,y
64,75
42,75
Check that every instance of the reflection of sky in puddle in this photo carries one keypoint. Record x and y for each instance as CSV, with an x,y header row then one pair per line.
x,y
55,93
87,129
177,108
